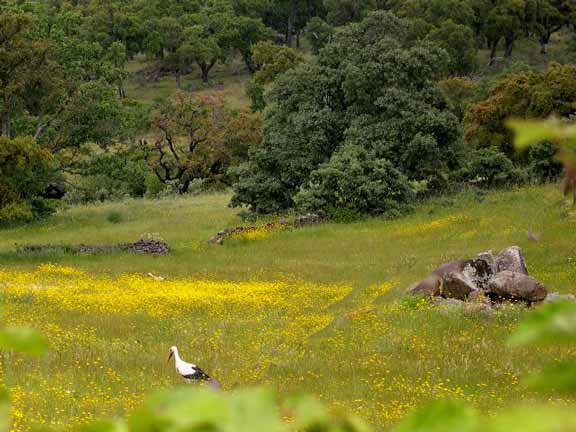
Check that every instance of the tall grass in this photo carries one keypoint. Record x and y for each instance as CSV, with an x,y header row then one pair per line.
x,y
331,320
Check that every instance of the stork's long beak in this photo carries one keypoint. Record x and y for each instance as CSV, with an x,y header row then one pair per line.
x,y
170,356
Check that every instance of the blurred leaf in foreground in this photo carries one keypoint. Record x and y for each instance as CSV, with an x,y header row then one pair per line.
x,y
105,426
311,415
553,323
22,339
534,419
441,416
560,377
201,409
529,132
4,411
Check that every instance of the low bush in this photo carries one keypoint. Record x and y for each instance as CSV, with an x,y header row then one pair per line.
x,y
114,216
488,167
355,182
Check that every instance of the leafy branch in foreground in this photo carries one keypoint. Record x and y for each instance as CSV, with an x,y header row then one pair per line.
x,y
561,133
25,340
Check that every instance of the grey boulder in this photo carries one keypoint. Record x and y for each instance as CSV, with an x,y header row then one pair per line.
x,y
514,286
457,285
511,259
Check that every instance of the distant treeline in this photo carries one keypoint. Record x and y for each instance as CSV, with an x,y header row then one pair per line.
x,y
358,106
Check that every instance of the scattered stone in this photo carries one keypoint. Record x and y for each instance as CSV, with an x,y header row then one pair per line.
x,y
449,302
511,259
555,297
156,278
308,219
514,286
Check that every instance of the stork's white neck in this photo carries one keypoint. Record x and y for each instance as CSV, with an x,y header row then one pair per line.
x,y
176,356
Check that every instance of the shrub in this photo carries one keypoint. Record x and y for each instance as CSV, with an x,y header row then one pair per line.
x,y
154,187
355,182
25,173
42,207
15,212
542,162
114,216
488,167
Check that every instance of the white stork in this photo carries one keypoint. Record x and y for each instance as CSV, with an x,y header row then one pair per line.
x,y
192,373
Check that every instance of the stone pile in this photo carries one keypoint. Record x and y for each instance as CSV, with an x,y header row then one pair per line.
x,y
142,246
298,222
484,278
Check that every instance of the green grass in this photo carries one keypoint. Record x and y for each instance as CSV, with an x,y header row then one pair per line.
x,y
528,51
229,83
361,253
336,324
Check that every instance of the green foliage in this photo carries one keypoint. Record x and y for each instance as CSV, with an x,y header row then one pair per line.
x,y
548,136
4,411
458,41
357,181
341,12
25,173
543,165
364,90
197,138
256,94
319,33
460,92
523,96
273,60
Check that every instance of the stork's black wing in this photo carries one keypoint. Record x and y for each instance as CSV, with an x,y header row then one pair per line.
x,y
198,374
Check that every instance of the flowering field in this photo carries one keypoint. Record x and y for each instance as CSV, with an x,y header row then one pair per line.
x,y
319,310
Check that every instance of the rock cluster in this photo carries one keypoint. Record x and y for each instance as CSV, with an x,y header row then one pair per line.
x,y
227,233
146,247
484,278
298,222
142,246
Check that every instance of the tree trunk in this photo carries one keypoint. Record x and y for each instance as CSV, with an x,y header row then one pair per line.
x,y
543,47
5,120
249,63
544,40
290,26
493,49
205,68
178,80
297,38
510,39
122,90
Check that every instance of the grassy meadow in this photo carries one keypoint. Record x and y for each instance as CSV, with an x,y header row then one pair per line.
x,y
319,309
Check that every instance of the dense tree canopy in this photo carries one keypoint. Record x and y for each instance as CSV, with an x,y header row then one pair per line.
x,y
525,95
367,89
383,86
